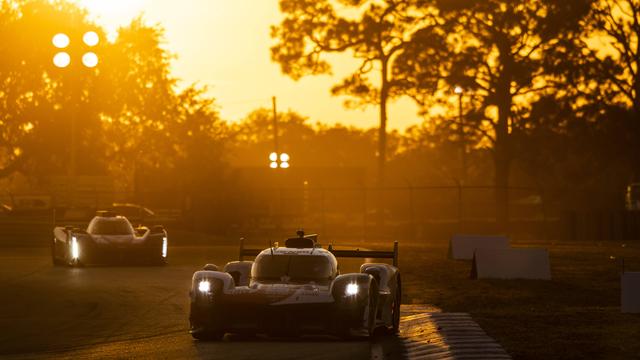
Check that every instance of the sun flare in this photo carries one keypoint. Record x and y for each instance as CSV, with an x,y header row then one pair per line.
x,y
113,13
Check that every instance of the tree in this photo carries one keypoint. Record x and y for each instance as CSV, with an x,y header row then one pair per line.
x,y
611,69
153,130
198,137
500,52
138,101
34,93
375,32
310,145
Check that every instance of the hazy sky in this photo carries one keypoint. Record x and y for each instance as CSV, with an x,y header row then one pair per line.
x,y
224,44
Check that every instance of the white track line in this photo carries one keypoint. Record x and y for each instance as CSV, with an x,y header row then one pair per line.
x,y
434,335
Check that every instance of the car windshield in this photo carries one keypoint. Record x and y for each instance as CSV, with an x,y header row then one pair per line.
x,y
110,227
292,268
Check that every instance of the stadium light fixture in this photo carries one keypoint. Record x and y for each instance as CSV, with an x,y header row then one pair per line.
x,y
279,160
62,59
91,38
61,40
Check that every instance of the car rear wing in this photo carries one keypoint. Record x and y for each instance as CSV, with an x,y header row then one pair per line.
x,y
357,253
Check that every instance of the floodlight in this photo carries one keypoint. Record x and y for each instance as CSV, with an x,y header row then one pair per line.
x,y
91,38
60,40
61,60
90,60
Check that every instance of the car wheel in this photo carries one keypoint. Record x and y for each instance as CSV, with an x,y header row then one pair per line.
x,y
160,261
373,306
75,263
54,258
397,300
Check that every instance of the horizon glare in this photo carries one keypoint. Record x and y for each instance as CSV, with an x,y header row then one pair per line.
x,y
245,78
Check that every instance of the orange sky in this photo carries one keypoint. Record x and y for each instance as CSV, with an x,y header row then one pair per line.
x,y
225,44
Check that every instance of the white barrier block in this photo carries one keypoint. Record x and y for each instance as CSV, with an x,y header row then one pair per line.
x,y
630,285
519,263
461,247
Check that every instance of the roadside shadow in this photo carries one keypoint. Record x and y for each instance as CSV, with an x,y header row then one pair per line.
x,y
244,346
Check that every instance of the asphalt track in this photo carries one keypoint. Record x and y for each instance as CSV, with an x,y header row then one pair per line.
x,y
140,312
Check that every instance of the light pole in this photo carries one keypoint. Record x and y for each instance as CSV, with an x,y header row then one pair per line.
x,y
62,59
463,146
277,159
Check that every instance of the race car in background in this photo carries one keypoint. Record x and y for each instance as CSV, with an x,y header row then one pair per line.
x,y
109,238
296,289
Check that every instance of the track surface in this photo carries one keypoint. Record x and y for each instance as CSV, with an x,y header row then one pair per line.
x,y
133,312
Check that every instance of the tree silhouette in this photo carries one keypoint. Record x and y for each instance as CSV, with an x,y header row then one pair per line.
x,y
500,52
612,66
32,90
138,100
150,126
374,32
310,145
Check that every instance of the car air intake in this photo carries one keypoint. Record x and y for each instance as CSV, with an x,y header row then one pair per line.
x,y
300,243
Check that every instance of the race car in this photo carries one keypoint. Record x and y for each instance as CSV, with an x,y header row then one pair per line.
x,y
296,289
109,238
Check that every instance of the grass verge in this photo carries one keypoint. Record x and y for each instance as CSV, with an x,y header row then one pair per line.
x,y
576,315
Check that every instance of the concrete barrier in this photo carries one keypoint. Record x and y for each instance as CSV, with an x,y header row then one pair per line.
x,y
630,286
519,263
462,247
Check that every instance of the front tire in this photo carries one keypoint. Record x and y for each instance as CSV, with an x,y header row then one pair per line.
x,y
54,258
161,261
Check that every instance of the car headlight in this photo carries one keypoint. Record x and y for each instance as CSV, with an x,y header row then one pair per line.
x,y
204,286
164,247
75,248
352,289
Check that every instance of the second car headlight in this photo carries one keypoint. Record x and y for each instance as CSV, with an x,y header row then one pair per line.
x,y
75,248
352,289
204,286
164,247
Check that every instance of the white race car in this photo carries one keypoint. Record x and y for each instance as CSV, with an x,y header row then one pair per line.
x,y
296,289
109,238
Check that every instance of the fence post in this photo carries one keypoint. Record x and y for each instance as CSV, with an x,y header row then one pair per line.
x,y
459,184
305,203
573,236
364,213
412,225
280,215
322,212
545,228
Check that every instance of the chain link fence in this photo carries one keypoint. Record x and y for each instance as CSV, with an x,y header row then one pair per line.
x,y
420,213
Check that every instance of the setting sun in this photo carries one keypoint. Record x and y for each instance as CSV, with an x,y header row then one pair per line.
x,y
113,9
